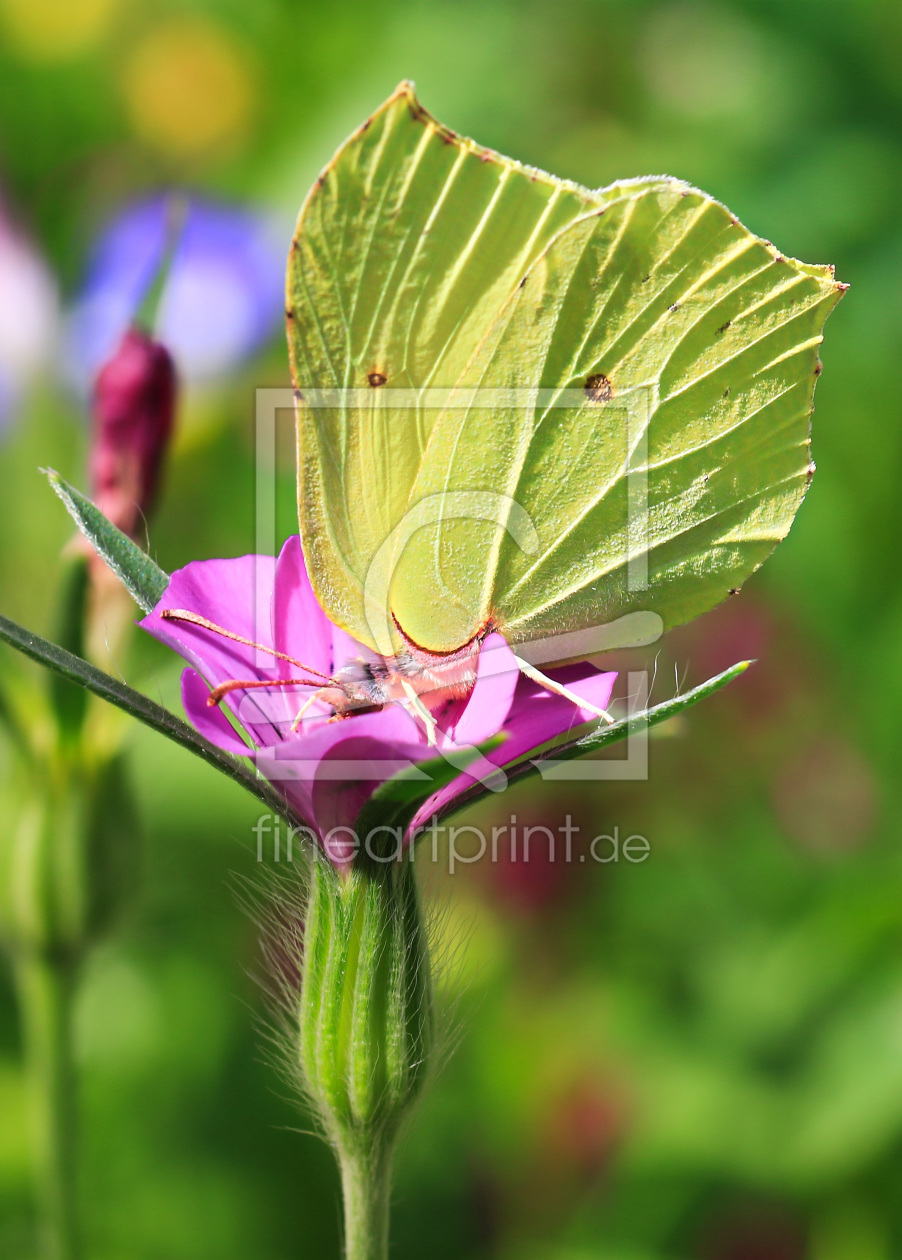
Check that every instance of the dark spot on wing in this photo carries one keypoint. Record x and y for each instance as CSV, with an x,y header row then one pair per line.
x,y
598,388
723,328
734,590
675,307
376,379
818,368
289,313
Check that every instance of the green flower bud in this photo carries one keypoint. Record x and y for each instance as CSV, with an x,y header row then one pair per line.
x,y
365,1025
366,1002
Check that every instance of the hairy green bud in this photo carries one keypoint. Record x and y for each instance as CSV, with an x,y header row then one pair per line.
x,y
365,1026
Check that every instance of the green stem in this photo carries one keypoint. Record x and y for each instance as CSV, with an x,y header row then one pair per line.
x,y
46,987
366,1188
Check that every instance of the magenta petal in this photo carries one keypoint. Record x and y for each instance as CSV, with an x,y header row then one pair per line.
x,y
536,717
338,800
235,594
209,720
587,683
329,775
490,700
300,628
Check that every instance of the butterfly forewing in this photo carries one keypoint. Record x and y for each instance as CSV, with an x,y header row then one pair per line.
x,y
405,251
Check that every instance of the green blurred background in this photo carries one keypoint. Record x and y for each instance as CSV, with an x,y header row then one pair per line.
x,y
699,1056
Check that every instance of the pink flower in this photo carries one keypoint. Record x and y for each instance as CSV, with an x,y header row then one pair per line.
x,y
328,769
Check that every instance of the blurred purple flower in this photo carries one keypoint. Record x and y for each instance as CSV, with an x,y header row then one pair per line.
x,y
329,769
221,300
28,317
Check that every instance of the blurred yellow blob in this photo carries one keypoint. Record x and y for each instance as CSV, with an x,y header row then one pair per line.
x,y
189,87
55,30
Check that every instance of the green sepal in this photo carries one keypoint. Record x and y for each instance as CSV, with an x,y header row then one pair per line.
x,y
142,577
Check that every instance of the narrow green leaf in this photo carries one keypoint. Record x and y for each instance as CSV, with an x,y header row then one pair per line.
x,y
145,581
603,736
72,667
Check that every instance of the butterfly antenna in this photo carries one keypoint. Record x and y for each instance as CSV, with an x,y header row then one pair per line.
x,y
194,619
249,684
550,685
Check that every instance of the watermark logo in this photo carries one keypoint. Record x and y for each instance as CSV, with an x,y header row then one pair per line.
x,y
443,844
275,408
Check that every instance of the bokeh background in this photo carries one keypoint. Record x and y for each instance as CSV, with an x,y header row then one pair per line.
x,y
694,1058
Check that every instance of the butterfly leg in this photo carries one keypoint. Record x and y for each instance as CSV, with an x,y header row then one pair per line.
x,y
419,710
302,710
550,685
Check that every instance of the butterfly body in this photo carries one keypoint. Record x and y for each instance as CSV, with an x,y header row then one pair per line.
x,y
385,680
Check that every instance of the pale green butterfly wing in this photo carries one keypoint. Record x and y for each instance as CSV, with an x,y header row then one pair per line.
x,y
405,251
706,340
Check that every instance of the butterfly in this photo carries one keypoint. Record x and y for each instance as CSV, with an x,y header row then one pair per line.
x,y
528,407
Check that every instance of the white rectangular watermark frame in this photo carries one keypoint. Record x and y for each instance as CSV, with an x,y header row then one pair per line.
x,y
635,410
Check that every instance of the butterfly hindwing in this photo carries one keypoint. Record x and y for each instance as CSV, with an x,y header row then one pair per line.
x,y
666,451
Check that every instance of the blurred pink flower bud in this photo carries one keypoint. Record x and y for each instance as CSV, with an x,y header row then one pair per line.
x,y
584,1129
133,407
